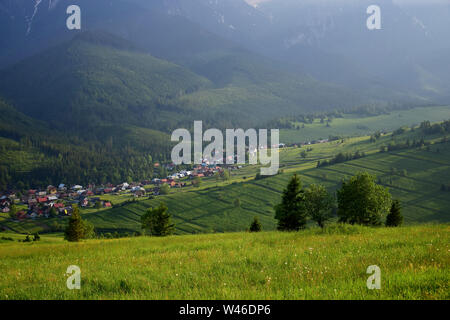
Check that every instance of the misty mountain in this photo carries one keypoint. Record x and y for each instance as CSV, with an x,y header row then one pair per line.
x,y
100,79
227,62
325,39
330,41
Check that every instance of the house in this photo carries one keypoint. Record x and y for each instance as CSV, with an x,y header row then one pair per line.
x,y
84,202
51,189
58,205
42,200
139,193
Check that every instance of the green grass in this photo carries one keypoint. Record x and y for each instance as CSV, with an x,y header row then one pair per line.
x,y
312,264
351,125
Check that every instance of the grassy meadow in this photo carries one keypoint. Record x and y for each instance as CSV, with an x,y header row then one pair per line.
x,y
353,125
311,264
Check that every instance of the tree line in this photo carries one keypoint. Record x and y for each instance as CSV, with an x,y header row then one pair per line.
x,y
359,201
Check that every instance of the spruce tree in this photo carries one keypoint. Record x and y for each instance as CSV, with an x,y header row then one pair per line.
x,y
75,230
256,225
291,213
394,218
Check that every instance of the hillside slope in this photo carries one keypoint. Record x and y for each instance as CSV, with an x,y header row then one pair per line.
x,y
213,209
269,265
96,79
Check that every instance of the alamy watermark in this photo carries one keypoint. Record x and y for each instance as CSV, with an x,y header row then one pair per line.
x,y
374,20
74,280
258,151
73,22
374,281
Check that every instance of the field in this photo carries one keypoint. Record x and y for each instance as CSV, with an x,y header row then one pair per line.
x,y
414,176
312,264
212,209
352,125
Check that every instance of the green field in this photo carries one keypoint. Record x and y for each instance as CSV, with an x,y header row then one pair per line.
x,y
353,125
211,208
312,264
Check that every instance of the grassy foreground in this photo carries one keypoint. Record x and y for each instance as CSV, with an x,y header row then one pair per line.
x,y
312,264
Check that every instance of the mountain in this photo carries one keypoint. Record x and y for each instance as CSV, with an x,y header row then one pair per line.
x,y
29,27
329,39
97,104
98,79
95,79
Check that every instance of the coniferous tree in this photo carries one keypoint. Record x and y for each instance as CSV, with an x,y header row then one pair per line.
x,y
75,230
394,218
255,225
291,213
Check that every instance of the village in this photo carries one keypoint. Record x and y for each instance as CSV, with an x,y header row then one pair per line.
x,y
58,201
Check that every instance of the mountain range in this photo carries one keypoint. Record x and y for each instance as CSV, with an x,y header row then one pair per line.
x,y
139,69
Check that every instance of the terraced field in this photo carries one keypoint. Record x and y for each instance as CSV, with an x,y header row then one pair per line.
x,y
413,175
212,209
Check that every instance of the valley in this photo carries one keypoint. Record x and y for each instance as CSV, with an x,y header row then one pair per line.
x,y
102,199
413,175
